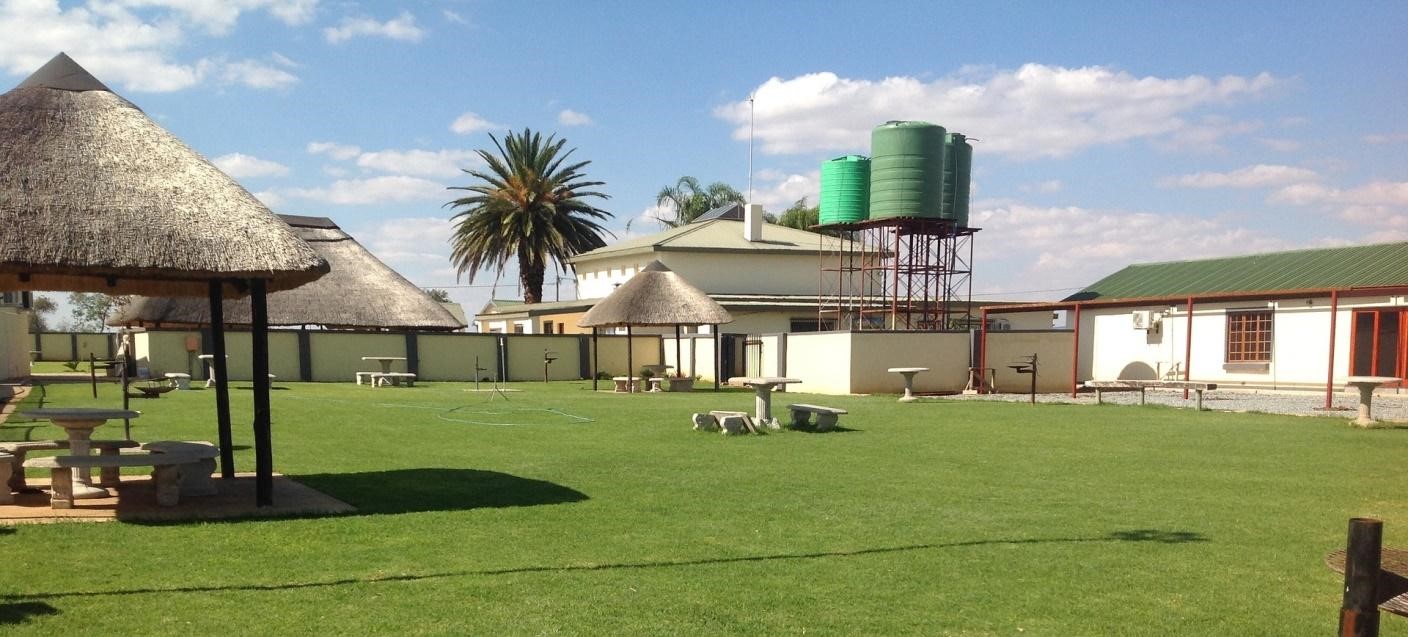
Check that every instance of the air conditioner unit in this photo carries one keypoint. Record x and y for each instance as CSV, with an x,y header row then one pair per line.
x,y
1142,319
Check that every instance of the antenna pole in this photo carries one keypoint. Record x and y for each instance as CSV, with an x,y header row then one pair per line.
x,y
750,149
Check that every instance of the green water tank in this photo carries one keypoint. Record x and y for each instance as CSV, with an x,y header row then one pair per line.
x,y
845,190
958,175
906,170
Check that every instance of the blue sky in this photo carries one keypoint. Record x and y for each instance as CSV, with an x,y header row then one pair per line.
x,y
1110,133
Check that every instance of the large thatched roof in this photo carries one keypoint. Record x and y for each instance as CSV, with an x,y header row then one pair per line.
x,y
360,292
95,196
656,296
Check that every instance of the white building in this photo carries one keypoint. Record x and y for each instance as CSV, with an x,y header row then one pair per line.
x,y
767,276
1303,319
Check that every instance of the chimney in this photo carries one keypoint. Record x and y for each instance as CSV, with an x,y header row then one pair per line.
x,y
753,222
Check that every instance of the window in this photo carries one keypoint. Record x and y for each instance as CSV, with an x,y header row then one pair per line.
x,y
547,327
811,324
1249,336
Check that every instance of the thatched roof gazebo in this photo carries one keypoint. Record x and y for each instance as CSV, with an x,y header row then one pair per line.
x,y
97,197
359,293
655,296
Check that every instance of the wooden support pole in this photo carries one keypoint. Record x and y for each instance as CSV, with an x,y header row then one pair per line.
x,y
263,437
1359,616
718,356
1075,355
1188,348
222,389
630,363
596,358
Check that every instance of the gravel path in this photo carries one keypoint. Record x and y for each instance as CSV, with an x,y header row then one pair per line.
x,y
1388,406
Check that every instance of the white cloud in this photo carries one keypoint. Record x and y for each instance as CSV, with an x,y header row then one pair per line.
x,y
1379,203
409,242
134,44
271,200
341,152
373,190
569,117
1386,138
424,163
470,122
1280,145
240,166
1033,111
451,16
402,27
1048,186
1067,248
256,74
1257,176
778,192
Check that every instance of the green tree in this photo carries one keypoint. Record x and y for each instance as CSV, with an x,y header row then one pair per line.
x,y
529,204
90,311
800,215
687,199
39,309
438,295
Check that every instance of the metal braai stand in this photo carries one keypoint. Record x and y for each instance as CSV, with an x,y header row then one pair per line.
x,y
1027,366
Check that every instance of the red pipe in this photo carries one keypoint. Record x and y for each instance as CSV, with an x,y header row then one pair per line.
x,y
1075,353
983,355
1374,351
1188,348
1330,372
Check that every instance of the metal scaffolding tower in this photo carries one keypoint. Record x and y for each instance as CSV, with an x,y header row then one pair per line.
x,y
896,274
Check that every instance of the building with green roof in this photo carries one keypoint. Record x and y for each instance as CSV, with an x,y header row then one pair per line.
x,y
1297,319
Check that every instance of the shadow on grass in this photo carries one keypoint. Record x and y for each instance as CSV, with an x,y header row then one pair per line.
x,y
7,530
19,613
834,430
1137,535
418,490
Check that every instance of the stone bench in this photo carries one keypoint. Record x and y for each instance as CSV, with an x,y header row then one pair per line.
x,y
727,422
167,470
1101,386
826,417
179,380
622,380
379,379
366,375
18,450
196,476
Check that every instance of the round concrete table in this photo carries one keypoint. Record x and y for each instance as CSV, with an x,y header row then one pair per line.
x,y
908,373
80,422
1366,386
762,394
386,367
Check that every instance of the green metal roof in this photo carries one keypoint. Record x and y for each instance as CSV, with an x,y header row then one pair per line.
x,y
1353,266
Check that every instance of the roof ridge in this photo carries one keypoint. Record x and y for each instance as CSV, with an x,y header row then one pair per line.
x,y
1268,254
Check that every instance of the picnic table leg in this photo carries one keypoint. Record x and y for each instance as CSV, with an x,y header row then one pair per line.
x,y
1099,397
1200,398
1141,395
61,485
5,468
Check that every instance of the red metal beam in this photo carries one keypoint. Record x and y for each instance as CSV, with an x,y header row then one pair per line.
x,y
1075,353
1188,348
983,352
1330,371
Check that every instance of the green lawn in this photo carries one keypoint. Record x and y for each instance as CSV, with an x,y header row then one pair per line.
x,y
930,518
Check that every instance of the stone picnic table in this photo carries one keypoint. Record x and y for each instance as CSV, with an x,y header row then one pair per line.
x,y
386,362
908,373
1366,386
80,422
762,393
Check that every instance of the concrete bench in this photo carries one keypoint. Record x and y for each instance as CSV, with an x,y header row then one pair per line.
x,y
1101,386
18,450
167,470
621,383
196,476
729,423
366,375
179,380
6,468
826,417
379,379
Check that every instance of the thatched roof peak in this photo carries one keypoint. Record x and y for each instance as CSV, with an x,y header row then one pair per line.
x,y
656,296
97,197
64,74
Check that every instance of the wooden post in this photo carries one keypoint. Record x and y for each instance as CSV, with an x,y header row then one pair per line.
x,y
679,362
596,358
1359,616
717,356
222,390
263,438
630,363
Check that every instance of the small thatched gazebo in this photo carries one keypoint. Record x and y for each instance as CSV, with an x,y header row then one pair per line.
x,y
96,197
655,296
359,293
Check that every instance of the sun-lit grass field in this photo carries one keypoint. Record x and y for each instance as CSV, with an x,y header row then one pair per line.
x,y
564,511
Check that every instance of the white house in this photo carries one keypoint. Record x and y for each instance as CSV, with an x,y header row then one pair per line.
x,y
1302,319
765,275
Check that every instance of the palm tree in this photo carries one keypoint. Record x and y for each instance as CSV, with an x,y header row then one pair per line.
x,y
530,204
688,199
